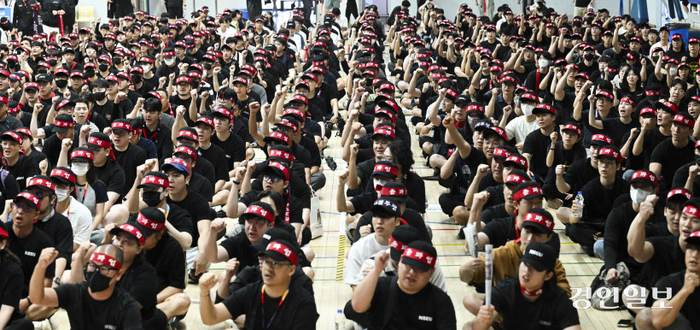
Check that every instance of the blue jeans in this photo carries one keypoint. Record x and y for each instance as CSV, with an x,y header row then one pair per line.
x,y
598,248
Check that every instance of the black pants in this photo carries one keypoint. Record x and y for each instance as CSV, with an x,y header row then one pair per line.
x,y
584,233
254,8
448,202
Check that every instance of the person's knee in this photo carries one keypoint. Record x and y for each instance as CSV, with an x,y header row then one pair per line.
x,y
599,248
461,215
473,301
643,320
118,214
309,272
563,214
428,148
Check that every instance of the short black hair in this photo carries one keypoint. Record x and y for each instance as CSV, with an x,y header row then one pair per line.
x,y
405,3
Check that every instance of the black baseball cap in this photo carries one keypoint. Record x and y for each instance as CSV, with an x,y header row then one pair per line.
x,y
274,234
401,237
280,250
420,254
385,206
539,220
540,256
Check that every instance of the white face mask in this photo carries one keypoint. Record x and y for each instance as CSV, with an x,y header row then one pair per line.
x,y
62,194
543,63
472,120
527,109
378,184
146,68
169,61
638,195
673,71
79,169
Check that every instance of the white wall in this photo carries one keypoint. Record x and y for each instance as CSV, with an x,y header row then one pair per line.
x,y
561,6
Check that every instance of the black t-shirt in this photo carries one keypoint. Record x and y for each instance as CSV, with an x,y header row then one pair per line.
x,y
162,139
180,219
691,307
671,159
11,284
502,230
198,209
168,259
580,173
252,274
52,147
28,250
112,175
296,312
24,168
217,157
615,129
430,308
61,231
86,313
141,282
234,148
129,159
200,185
598,201
494,212
240,247
552,310
668,258
537,144
616,228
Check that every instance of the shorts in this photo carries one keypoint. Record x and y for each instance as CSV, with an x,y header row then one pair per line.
x,y
175,11
330,4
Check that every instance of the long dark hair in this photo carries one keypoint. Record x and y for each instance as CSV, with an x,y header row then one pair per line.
x,y
6,254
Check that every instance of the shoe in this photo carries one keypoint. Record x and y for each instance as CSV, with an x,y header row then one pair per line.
x,y
192,278
435,176
42,325
588,250
331,163
253,144
460,234
174,323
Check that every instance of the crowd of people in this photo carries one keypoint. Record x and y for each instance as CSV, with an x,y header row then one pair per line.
x,y
129,146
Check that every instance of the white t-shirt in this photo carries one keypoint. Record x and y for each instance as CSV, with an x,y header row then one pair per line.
x,y
438,279
658,45
230,31
80,219
360,251
520,128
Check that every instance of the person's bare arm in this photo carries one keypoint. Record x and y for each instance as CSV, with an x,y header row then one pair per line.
x,y
559,92
595,123
341,204
655,168
491,107
549,161
354,180
625,150
179,123
637,246
516,61
38,293
662,317
481,173
362,295
562,186
211,313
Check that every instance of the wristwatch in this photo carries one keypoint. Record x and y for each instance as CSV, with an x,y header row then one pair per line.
x,y
57,280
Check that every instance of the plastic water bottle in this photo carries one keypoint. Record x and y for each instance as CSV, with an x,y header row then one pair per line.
x,y
579,202
339,320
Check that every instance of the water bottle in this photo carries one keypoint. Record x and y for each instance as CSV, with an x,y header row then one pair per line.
x,y
579,202
339,320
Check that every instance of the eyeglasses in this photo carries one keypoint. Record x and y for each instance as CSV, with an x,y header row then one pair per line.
x,y
272,179
274,264
25,208
104,270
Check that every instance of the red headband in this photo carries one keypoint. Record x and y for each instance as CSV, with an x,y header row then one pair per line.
x,y
282,154
259,211
646,175
692,210
573,128
652,93
148,223
106,260
420,256
518,159
57,172
601,137
393,191
281,168
520,194
475,107
514,178
501,152
152,179
283,250
133,231
612,153
629,100
396,245
683,192
48,184
82,154
386,169
541,219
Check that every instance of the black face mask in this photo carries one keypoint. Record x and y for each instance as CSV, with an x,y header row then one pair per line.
x,y
104,67
136,79
99,96
43,71
117,61
96,281
207,66
655,59
589,56
89,73
53,62
151,198
61,83
12,64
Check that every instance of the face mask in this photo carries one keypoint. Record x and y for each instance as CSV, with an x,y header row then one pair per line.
x,y
516,100
169,61
655,59
378,184
90,73
472,120
53,62
43,71
146,68
527,109
62,194
207,66
673,71
97,282
589,57
136,79
638,195
104,67
117,61
151,198
61,83
100,96
79,169
543,63
12,63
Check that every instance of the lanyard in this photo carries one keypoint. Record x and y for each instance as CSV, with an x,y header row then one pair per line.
x,y
262,301
84,193
68,210
145,133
